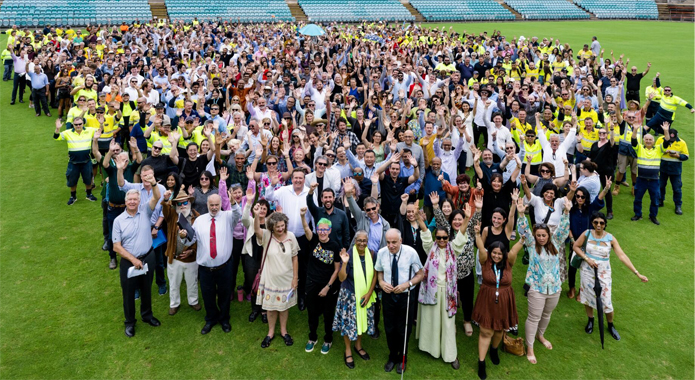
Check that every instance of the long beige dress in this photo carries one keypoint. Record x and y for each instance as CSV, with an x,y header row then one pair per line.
x,y
436,332
276,279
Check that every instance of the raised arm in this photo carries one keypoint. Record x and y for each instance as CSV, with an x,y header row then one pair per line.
x,y
307,230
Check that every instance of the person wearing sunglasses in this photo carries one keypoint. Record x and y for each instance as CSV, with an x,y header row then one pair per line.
x,y
544,274
79,143
594,247
437,300
202,191
180,249
582,210
322,277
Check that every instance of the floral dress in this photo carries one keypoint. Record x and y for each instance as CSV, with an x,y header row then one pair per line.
x,y
265,182
600,253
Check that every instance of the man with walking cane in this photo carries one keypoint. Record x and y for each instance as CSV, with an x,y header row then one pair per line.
x,y
395,265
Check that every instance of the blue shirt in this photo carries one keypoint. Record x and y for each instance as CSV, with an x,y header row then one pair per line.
x,y
375,232
432,184
38,81
133,232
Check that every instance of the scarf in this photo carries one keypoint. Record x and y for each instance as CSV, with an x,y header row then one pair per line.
x,y
362,281
428,288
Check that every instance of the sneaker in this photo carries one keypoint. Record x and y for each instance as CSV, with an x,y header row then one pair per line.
x,y
113,264
310,346
162,290
71,201
326,347
105,247
91,197
137,294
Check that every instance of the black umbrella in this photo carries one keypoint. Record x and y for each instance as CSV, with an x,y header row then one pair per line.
x,y
599,304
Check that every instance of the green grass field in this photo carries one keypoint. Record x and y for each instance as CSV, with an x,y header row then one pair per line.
x,y
61,310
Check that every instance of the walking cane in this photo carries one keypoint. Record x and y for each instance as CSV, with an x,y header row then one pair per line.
x,y
405,335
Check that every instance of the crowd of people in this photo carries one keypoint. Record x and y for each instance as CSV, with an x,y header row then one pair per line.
x,y
375,171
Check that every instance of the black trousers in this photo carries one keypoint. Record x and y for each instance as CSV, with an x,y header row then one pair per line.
x,y
571,271
19,83
40,100
395,307
129,285
236,259
216,288
609,195
303,258
478,131
252,265
466,288
317,306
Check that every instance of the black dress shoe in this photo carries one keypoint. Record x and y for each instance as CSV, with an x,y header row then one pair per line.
x,y
609,216
636,218
613,331
21,101
388,367
266,341
253,316
12,103
400,368
130,331
589,326
456,364
264,318
153,322
661,203
301,304
226,327
654,220
678,210
364,356
376,333
351,364
206,329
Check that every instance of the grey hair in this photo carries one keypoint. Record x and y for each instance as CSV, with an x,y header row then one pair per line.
x,y
555,135
240,152
235,186
274,218
395,231
132,191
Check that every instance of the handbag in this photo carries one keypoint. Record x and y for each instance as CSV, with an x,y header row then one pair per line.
x,y
575,259
514,346
257,280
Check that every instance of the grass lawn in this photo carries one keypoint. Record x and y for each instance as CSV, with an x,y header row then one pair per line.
x,y
61,312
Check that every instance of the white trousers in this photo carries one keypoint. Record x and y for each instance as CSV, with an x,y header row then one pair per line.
x,y
176,271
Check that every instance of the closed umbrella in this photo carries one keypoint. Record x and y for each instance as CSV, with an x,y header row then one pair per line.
x,y
312,30
599,304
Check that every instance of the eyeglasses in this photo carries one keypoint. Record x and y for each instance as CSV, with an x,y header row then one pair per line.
x,y
442,238
77,125
370,209
215,109
271,163
602,133
599,223
156,148
311,105
321,164
545,171
182,203
579,196
324,230
204,179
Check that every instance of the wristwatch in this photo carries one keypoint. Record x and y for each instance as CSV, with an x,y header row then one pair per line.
x,y
411,283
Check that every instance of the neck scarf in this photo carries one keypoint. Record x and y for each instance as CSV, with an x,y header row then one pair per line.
x,y
362,280
428,287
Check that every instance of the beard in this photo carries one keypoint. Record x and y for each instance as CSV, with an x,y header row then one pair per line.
x,y
184,210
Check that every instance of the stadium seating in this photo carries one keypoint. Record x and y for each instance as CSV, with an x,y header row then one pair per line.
x,y
467,10
629,9
74,12
241,10
547,9
355,10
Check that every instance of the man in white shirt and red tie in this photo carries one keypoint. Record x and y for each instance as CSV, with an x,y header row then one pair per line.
x,y
213,233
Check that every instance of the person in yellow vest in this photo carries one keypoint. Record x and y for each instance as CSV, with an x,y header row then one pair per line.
x,y
519,127
79,142
588,136
586,112
672,168
532,151
627,157
648,164
163,135
532,71
6,58
651,92
667,109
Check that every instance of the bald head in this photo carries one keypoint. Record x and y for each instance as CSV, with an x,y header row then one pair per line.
x,y
393,240
214,202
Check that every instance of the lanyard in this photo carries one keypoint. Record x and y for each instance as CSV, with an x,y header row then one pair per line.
x,y
498,277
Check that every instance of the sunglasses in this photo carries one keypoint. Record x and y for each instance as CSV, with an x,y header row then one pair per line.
x,y
330,155
579,196
321,164
204,178
357,173
442,238
266,123
545,171
77,125
182,203
599,223
370,209
156,148
271,163
325,230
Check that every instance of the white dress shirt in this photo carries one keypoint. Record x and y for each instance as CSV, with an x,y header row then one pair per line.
x,y
224,226
291,203
560,153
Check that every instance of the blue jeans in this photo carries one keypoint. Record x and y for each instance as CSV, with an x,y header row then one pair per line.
x,y
9,69
676,185
642,186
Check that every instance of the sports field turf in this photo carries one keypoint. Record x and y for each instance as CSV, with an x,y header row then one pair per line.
x,y
61,312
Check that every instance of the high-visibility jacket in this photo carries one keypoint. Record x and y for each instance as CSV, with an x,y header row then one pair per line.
x,y
673,165
589,138
649,160
534,150
669,105
79,144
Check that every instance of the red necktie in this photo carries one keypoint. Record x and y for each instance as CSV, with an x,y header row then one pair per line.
x,y
213,239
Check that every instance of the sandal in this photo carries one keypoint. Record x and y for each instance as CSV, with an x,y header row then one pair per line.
x,y
360,351
288,340
468,328
266,342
